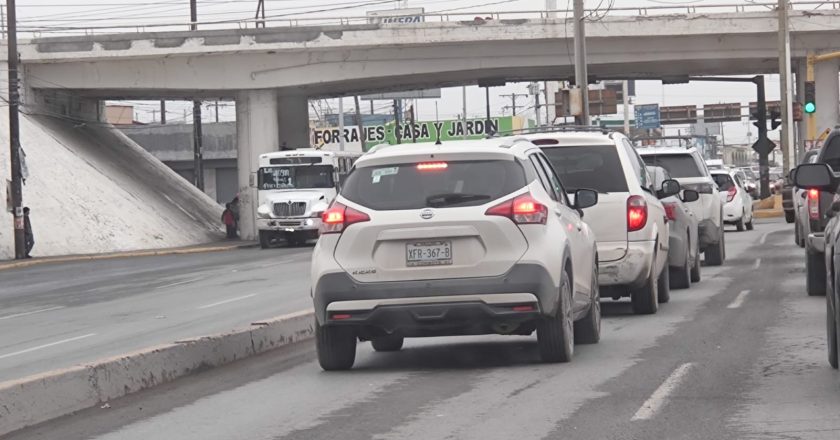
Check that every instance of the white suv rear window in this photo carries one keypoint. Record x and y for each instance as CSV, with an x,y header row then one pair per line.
x,y
678,165
595,167
433,184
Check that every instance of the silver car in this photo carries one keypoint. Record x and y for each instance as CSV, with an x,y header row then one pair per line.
x,y
684,249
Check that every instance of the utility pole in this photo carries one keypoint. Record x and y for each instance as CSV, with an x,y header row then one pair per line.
x,y
341,123
259,17
217,110
411,123
14,132
581,74
786,86
162,111
198,165
487,103
513,97
464,104
397,111
625,106
359,122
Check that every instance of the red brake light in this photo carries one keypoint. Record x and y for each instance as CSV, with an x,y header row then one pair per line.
x,y
730,193
339,217
637,213
431,166
670,210
814,204
523,209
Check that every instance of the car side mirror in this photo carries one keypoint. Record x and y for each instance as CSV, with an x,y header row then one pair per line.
x,y
690,195
792,176
670,188
816,176
585,198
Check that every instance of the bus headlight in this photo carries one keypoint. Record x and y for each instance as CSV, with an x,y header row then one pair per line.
x,y
264,211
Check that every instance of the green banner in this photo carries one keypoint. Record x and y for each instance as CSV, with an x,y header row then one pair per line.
x,y
426,131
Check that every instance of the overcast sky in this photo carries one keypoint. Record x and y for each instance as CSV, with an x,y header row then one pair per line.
x,y
59,17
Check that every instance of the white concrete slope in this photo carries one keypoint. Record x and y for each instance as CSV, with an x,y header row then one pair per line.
x,y
91,190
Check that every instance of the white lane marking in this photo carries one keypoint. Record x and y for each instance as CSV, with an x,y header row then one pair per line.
x,y
51,344
18,315
764,238
179,283
738,300
238,298
658,398
757,263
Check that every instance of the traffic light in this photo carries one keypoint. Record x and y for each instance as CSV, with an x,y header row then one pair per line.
x,y
775,122
810,105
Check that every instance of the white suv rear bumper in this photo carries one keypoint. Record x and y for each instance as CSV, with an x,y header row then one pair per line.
x,y
630,270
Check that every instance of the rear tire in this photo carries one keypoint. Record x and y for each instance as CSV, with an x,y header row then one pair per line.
x,y
831,327
740,223
681,276
695,270
265,239
555,334
714,253
664,286
588,329
749,224
336,347
815,276
645,299
387,343
790,216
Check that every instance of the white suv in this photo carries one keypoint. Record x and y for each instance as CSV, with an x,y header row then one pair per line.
x,y
629,220
686,166
464,238
738,206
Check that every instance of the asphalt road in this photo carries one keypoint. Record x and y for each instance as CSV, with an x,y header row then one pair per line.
x,y
59,315
740,355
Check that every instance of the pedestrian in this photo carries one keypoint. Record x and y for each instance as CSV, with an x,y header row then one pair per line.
x,y
234,207
229,221
28,238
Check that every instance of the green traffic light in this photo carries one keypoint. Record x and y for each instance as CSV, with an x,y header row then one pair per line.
x,y
810,107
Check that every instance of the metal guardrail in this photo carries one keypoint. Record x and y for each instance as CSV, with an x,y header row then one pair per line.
x,y
284,20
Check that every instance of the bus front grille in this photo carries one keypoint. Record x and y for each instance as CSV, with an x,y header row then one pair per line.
x,y
289,209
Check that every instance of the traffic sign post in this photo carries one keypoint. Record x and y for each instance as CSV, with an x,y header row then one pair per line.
x,y
647,116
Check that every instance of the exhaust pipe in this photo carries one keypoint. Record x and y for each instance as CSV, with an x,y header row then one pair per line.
x,y
505,328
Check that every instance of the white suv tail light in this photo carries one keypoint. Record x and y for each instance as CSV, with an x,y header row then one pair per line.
x,y
339,217
637,213
523,210
730,194
814,204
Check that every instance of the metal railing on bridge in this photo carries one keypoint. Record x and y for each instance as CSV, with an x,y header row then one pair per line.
x,y
287,20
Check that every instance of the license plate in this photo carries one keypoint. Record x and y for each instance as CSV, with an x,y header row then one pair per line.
x,y
428,253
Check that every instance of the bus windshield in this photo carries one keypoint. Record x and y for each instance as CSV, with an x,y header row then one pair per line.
x,y
296,177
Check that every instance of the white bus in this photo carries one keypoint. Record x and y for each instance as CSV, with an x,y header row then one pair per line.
x,y
294,187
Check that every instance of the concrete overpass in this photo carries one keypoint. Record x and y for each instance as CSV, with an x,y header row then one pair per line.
x,y
272,72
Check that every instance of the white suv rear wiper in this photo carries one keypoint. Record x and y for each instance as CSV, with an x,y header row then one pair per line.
x,y
441,200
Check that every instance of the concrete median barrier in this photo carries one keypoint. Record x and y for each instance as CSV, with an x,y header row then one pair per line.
x,y
768,208
36,399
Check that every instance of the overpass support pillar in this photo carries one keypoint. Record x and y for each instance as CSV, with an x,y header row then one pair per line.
x,y
256,133
825,76
293,124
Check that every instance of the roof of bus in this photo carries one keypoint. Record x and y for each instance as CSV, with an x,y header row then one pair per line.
x,y
306,152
